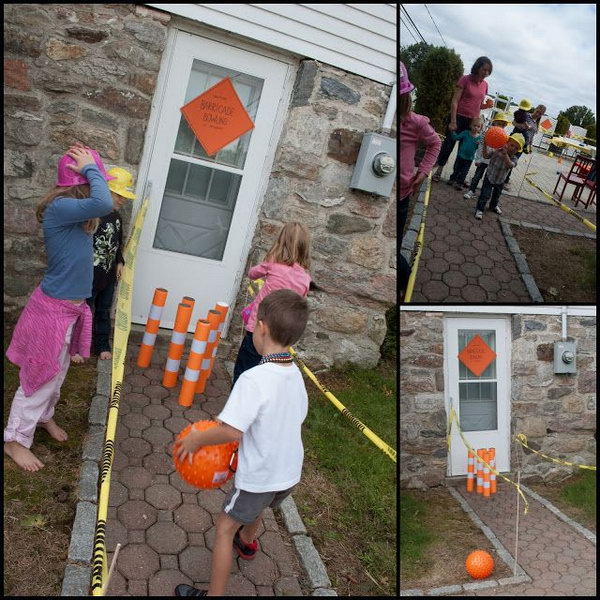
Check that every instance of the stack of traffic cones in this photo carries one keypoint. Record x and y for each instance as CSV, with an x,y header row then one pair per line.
x,y
486,479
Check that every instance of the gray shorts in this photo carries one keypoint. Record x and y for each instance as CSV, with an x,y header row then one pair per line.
x,y
245,507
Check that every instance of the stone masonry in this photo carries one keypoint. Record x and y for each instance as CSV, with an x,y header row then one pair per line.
x,y
557,413
88,72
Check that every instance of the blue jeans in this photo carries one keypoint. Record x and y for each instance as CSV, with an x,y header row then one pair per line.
x,y
461,168
481,167
488,189
100,303
247,357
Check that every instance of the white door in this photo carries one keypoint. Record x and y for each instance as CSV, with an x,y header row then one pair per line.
x,y
202,209
481,401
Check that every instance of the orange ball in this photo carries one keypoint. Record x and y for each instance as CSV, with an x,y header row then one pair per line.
x,y
210,466
479,564
495,137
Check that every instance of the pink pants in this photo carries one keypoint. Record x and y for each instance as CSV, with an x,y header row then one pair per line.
x,y
27,412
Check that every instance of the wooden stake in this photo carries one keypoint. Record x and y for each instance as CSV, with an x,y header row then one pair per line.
x,y
110,572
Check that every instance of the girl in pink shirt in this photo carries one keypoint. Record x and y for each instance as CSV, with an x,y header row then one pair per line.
x,y
285,267
414,128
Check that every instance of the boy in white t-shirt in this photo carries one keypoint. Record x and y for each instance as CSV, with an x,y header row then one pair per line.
x,y
264,412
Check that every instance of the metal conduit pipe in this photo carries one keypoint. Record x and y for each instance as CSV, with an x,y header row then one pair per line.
x,y
390,112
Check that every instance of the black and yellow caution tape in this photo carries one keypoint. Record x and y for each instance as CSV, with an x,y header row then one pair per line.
x,y
414,265
453,420
386,448
562,206
522,439
121,336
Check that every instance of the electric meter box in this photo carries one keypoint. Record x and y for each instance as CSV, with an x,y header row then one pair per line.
x,y
565,357
375,169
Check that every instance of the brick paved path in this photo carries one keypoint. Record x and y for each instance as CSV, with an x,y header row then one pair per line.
x,y
166,527
560,561
466,260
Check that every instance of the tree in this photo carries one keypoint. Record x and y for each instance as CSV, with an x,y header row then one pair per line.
x,y
435,78
591,135
413,55
562,124
581,116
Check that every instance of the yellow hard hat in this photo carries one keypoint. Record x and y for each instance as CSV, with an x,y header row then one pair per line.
x,y
123,179
518,137
525,104
501,117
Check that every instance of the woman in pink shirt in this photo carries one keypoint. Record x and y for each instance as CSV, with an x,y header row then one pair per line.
x,y
467,103
285,267
414,128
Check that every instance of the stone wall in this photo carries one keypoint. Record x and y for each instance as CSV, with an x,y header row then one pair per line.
x,y
89,72
557,413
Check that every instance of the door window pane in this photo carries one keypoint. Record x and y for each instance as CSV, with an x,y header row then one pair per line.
x,y
477,394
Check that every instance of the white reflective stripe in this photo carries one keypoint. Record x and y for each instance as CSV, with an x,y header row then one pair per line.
x,y
479,480
485,470
469,475
178,338
232,501
220,328
471,460
192,374
486,484
212,336
198,346
205,364
172,364
155,312
149,339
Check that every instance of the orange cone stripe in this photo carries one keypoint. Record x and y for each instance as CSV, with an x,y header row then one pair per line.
x,y
486,475
192,371
147,345
214,318
221,309
492,474
182,320
479,472
470,470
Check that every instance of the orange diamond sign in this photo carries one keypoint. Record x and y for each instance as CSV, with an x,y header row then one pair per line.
x,y
477,355
217,117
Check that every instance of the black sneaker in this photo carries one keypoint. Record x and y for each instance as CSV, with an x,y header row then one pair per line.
x,y
245,551
183,589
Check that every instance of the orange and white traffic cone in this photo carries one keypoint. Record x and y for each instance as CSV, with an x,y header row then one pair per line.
x,y
182,320
213,318
192,371
470,470
147,345
479,471
492,474
221,308
486,475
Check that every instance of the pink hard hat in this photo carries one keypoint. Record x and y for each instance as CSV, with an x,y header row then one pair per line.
x,y
405,84
68,177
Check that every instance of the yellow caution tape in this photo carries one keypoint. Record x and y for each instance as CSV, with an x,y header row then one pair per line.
x,y
121,336
562,206
386,448
453,419
419,245
522,439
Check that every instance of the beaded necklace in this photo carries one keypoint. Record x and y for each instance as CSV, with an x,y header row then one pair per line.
x,y
277,357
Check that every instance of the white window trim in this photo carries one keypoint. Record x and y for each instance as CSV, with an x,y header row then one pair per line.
x,y
518,309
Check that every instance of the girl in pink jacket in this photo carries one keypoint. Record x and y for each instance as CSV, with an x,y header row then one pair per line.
x,y
285,267
414,128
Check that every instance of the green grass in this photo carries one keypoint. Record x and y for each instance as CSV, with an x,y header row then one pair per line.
x,y
581,492
414,536
364,477
588,277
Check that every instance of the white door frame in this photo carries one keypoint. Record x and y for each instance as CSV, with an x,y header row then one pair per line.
x,y
504,395
279,120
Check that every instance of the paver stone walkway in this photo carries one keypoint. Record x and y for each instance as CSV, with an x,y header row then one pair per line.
x,y
166,527
560,560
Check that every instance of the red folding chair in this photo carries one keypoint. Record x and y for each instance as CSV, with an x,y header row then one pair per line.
x,y
576,176
590,184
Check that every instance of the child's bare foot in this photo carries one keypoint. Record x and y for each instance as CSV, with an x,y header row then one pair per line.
x,y
55,431
24,457
77,358
105,355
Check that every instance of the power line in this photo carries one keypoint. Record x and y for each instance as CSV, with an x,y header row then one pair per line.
x,y
443,40
409,31
412,23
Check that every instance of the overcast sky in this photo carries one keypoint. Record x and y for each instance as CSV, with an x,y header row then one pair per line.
x,y
543,52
